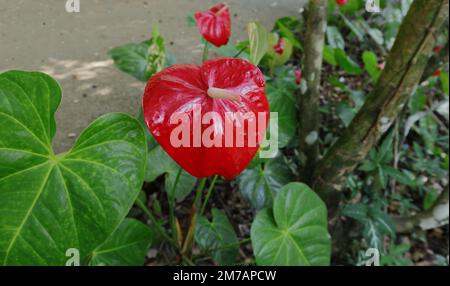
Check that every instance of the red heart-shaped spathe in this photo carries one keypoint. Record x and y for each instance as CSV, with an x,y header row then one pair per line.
x,y
215,24
178,89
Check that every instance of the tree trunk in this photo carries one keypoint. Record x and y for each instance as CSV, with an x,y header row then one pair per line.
x,y
404,69
309,102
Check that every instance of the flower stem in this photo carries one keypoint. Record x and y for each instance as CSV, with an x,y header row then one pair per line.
x,y
198,195
208,194
194,215
206,52
171,199
240,52
152,218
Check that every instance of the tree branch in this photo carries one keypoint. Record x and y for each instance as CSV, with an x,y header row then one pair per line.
x,y
405,66
309,102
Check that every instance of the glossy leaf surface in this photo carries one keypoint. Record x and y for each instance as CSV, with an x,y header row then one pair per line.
x,y
260,184
217,237
51,203
294,232
127,246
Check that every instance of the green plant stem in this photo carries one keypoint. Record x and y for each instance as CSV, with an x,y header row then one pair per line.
x,y
152,218
190,234
171,199
240,52
205,52
198,195
208,194
188,261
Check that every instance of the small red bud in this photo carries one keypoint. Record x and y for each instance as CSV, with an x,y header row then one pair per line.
x,y
279,47
437,73
341,2
437,49
298,76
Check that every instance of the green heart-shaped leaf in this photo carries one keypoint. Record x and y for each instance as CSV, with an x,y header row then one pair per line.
x,y
50,203
294,232
217,238
260,184
127,246
281,100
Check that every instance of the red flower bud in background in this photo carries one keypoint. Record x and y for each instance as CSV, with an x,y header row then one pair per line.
x,y
341,2
437,49
279,47
215,24
382,65
220,86
437,73
298,76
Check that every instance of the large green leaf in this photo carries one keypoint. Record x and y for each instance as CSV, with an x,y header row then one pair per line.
x,y
217,237
50,203
260,184
294,232
282,100
127,246
258,37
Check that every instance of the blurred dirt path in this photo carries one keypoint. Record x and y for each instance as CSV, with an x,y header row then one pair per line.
x,y
41,35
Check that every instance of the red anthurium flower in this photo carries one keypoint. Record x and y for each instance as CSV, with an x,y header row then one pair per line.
x,y
279,47
437,73
215,24
341,2
187,109
298,76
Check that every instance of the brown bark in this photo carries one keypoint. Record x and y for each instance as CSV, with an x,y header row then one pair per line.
x,y
404,69
309,101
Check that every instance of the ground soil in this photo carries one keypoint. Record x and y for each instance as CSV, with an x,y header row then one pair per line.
x,y
41,35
